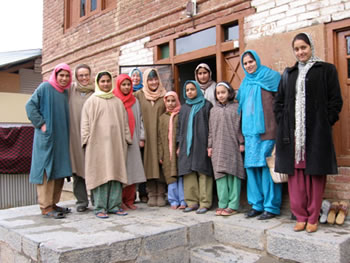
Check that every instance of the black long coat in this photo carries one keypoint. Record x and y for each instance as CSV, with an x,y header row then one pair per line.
x,y
323,104
198,160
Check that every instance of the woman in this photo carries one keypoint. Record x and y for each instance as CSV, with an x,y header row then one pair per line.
x,y
203,76
136,76
104,135
152,106
80,91
255,98
307,105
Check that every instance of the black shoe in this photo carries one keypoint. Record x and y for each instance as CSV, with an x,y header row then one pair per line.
x,y
253,213
81,208
266,215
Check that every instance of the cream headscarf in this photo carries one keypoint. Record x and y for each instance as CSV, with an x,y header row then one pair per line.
x,y
210,80
149,94
99,92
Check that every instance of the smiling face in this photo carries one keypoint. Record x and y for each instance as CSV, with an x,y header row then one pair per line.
x,y
83,76
203,75
105,83
222,94
63,78
302,50
170,103
191,91
125,87
153,83
249,64
135,77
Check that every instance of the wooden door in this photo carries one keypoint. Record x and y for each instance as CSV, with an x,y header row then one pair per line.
x,y
232,70
342,127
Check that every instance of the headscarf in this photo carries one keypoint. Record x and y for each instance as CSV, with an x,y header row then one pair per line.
x,y
173,113
249,95
85,89
128,100
197,103
140,85
53,78
101,94
210,81
300,129
149,94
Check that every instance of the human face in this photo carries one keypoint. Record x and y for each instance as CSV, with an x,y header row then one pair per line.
x,y
83,76
170,103
249,64
125,86
153,83
222,94
105,83
135,77
302,50
191,91
63,78
203,75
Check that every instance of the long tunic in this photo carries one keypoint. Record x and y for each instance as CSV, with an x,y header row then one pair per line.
x,y
198,160
169,166
50,148
105,134
76,100
135,171
151,114
224,138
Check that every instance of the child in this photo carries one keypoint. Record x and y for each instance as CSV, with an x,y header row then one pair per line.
x,y
192,138
134,164
105,134
225,144
167,150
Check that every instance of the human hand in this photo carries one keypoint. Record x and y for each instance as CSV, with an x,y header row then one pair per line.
x,y
43,127
210,151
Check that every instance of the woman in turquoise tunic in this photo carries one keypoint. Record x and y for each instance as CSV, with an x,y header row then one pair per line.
x,y
255,98
48,111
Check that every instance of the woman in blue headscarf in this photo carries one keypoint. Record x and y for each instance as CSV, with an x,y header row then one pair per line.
x,y
255,96
136,76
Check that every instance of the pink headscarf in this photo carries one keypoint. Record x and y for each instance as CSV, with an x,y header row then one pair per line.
x,y
53,79
173,112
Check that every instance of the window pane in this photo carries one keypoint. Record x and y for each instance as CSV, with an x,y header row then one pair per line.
x,y
202,39
231,32
164,51
82,8
348,45
93,5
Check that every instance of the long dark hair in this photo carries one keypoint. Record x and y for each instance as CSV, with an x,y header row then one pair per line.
x,y
231,91
303,37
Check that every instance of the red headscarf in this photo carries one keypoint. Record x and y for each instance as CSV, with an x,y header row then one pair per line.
x,y
173,112
53,78
128,100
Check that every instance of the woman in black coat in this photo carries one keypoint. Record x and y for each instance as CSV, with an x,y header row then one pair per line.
x,y
307,105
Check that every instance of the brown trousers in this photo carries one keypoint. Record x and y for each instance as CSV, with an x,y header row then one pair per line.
x,y
198,189
49,194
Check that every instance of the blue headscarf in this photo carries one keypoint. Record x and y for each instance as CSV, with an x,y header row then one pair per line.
x,y
249,95
197,103
140,85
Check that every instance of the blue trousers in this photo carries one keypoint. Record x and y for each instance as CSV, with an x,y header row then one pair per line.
x,y
263,194
176,192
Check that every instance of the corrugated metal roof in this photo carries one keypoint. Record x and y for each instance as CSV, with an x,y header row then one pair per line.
x,y
15,57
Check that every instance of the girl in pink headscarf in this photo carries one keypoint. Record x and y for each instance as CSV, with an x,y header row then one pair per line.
x,y
167,150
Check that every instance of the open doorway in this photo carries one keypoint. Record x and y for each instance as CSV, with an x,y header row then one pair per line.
x,y
186,71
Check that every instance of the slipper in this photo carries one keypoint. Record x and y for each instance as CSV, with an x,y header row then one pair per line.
x,y
202,210
64,210
54,214
219,211
333,210
101,215
228,212
81,208
343,211
326,205
119,212
190,208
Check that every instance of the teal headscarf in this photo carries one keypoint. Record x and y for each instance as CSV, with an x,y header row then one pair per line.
x,y
140,85
249,95
197,103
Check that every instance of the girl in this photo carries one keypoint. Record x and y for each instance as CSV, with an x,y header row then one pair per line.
x,y
225,144
134,164
255,96
80,91
104,135
203,76
152,106
192,138
307,105
167,150
136,77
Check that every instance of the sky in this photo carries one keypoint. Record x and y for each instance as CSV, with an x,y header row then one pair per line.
x,y
21,24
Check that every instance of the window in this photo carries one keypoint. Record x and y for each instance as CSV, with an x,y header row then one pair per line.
x,y
78,10
164,51
231,32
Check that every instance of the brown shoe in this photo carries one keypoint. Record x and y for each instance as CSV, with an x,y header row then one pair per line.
x,y
299,226
310,228
161,200
152,200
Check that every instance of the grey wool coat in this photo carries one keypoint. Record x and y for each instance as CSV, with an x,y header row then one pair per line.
x,y
198,160
225,137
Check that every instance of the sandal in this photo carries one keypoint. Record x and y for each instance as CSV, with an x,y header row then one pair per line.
x,y
326,205
54,214
228,212
101,215
343,211
81,208
333,210
119,212
219,211
64,210
202,210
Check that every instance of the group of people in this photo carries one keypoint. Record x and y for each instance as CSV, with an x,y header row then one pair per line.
x,y
131,132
